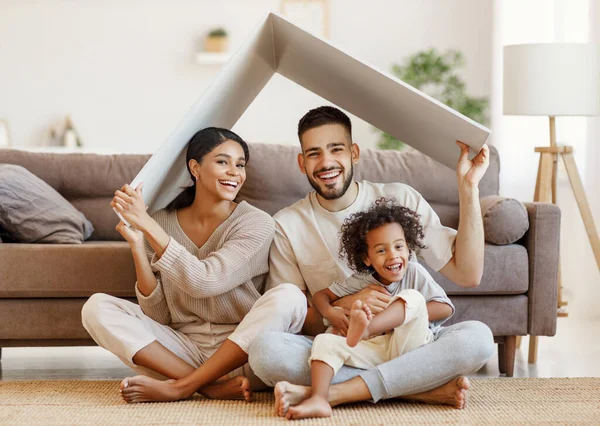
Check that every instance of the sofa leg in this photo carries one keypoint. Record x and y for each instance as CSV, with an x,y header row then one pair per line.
x,y
502,356
510,347
506,355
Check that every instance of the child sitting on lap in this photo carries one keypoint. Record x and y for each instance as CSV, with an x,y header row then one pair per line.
x,y
377,244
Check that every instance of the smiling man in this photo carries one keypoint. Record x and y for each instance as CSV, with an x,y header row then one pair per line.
x,y
305,252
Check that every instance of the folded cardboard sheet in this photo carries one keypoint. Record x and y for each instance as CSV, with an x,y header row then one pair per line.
x,y
278,46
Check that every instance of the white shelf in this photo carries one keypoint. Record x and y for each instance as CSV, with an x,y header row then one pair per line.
x,y
209,58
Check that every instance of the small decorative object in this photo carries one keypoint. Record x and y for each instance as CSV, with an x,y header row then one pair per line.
x,y
69,137
4,135
311,15
436,74
216,40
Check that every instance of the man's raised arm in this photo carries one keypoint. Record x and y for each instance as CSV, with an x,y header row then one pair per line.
x,y
465,268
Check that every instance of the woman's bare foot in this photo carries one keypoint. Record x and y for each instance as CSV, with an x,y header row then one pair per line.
x,y
453,393
146,389
235,388
315,406
360,317
287,395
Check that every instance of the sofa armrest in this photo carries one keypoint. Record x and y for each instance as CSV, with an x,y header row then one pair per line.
x,y
542,243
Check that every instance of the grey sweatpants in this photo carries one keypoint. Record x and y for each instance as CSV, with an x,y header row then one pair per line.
x,y
459,349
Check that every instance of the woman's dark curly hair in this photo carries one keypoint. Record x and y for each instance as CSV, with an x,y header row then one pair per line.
x,y
353,236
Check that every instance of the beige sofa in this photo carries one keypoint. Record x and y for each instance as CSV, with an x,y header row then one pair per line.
x,y
43,287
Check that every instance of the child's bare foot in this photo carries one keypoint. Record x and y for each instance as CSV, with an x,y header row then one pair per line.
x,y
453,393
287,395
145,389
360,317
315,406
235,388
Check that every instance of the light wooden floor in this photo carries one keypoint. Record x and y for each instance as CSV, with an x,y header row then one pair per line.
x,y
573,352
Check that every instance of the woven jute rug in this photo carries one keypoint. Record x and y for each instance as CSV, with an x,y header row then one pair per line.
x,y
491,401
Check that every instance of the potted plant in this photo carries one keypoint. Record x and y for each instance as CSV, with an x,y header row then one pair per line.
x,y
437,75
216,40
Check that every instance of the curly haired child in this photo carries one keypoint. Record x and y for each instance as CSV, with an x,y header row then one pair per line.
x,y
377,244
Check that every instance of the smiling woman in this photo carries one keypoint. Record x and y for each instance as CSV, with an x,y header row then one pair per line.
x,y
200,265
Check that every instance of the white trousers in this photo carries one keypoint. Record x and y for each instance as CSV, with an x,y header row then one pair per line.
x,y
122,328
414,332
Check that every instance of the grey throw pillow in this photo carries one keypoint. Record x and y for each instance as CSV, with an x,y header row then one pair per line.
x,y
31,211
505,220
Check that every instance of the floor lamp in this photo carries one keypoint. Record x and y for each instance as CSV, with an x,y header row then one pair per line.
x,y
555,79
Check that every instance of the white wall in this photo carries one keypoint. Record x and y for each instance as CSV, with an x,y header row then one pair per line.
x,y
125,71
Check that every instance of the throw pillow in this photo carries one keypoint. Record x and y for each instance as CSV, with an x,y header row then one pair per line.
x,y
505,220
31,211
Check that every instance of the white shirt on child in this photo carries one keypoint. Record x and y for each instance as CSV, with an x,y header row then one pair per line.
x,y
305,249
416,277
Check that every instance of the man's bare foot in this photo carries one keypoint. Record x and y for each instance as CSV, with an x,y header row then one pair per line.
x,y
453,393
287,395
360,317
145,389
235,388
315,406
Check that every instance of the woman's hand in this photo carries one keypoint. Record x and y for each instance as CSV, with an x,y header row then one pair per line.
x,y
134,237
130,204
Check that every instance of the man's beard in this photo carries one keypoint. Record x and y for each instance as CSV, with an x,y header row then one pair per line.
x,y
332,194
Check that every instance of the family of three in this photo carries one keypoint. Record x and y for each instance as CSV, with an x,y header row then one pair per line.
x,y
230,298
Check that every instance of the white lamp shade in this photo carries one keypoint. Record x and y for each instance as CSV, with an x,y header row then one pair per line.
x,y
552,79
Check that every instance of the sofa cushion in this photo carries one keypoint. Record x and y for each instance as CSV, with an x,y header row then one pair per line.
x,y
88,181
99,211
505,220
505,271
79,175
274,180
63,270
504,315
31,321
436,182
33,212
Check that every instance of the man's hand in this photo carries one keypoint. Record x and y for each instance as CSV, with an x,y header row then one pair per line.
x,y
130,204
468,171
339,320
374,296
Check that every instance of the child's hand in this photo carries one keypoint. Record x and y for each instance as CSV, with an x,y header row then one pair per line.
x,y
339,320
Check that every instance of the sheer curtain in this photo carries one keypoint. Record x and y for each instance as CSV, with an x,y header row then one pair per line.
x,y
534,21
592,170
545,21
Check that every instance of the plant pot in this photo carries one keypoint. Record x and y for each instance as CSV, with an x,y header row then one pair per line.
x,y
215,44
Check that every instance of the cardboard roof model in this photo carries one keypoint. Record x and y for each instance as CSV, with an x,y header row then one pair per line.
x,y
278,46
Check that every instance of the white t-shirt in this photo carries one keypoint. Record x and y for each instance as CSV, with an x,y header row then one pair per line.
x,y
415,278
305,249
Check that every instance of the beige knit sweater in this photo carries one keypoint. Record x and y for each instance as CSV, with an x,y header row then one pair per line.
x,y
218,282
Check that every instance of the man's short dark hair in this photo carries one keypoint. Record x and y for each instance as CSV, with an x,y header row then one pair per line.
x,y
321,116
